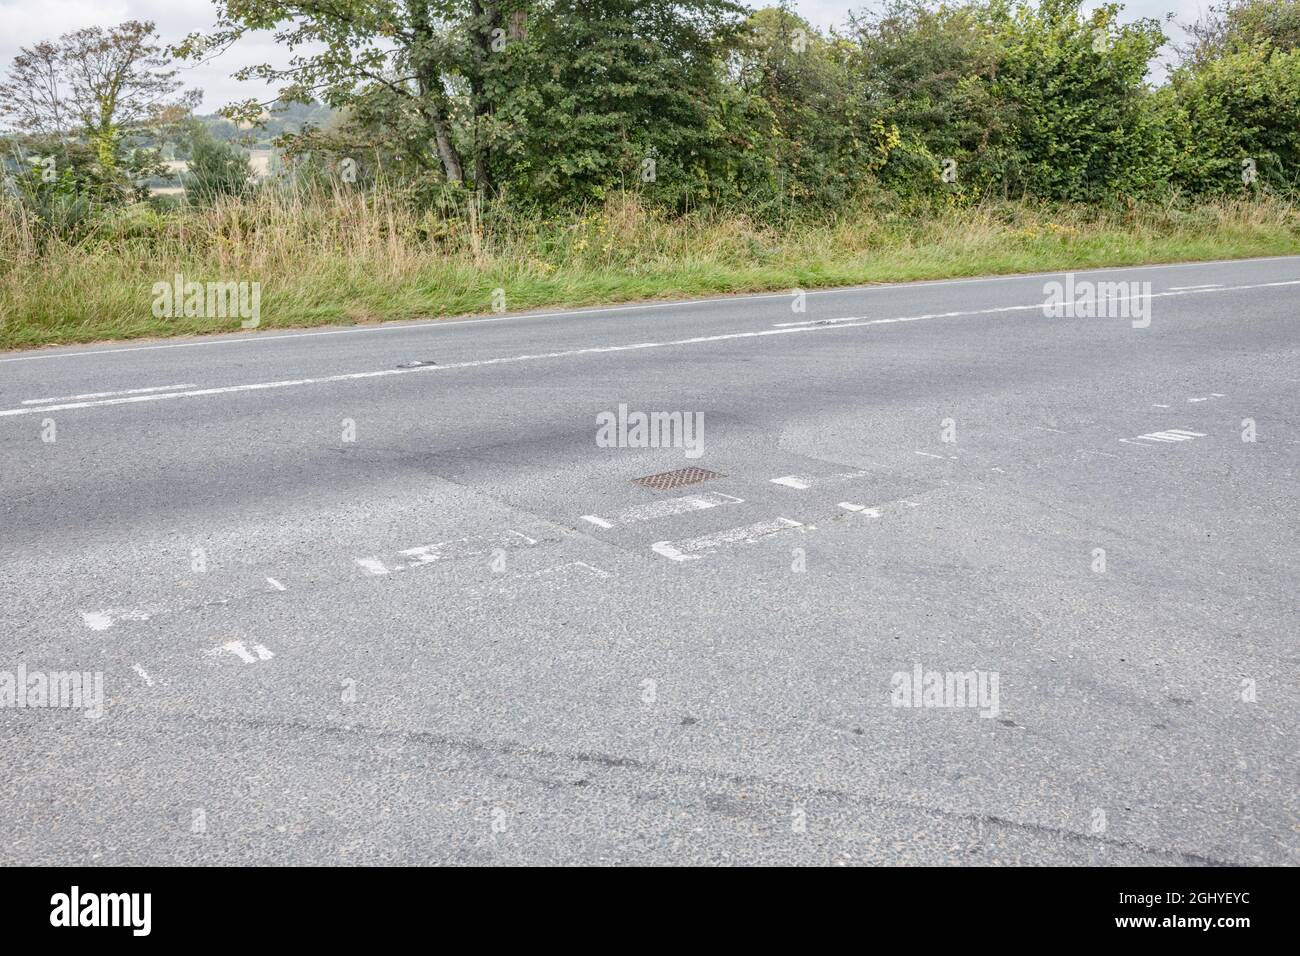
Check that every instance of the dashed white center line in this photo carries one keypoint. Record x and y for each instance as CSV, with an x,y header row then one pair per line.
x,y
861,509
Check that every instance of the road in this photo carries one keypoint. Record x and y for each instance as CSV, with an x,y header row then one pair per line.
x,y
353,607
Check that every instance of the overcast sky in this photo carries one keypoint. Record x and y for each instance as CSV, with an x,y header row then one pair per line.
x,y
28,21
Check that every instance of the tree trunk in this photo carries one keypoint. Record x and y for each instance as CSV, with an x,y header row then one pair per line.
x,y
487,17
433,97
447,153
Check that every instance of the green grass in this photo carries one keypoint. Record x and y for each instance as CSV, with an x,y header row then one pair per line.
x,y
343,258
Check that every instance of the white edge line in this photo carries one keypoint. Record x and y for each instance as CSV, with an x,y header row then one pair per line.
x,y
564,353
129,391
234,339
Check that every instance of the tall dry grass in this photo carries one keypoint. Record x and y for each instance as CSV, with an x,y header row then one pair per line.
x,y
331,255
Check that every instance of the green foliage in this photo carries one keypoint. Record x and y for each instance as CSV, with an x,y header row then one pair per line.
x,y
605,94
1234,115
216,168
465,106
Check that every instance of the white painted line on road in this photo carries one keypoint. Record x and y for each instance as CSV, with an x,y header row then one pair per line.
x,y
276,584
468,547
143,676
103,620
664,509
1189,288
240,650
856,319
690,549
860,509
1169,435
829,324
129,391
568,566
471,321
804,482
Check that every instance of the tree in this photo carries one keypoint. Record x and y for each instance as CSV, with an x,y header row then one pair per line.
x,y
216,168
396,59
95,83
1237,26
603,94
480,89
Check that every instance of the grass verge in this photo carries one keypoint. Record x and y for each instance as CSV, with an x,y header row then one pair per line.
x,y
347,257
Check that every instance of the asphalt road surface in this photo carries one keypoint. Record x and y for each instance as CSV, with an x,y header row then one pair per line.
x,y
384,594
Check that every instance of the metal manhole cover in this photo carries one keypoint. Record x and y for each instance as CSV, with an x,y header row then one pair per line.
x,y
675,479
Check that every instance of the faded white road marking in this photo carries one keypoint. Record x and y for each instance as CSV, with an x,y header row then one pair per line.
x,y
103,620
783,329
567,566
862,509
129,391
467,547
691,548
664,509
276,584
1192,288
1044,428
143,676
1159,406
1169,435
240,650
803,482
930,455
